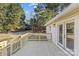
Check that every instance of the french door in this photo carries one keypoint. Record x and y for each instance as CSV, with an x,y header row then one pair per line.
x,y
66,36
61,33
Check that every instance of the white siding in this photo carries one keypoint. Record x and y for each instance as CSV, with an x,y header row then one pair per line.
x,y
53,34
76,36
53,31
49,30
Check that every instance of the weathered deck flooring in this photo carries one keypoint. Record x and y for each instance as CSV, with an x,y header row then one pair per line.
x,y
40,48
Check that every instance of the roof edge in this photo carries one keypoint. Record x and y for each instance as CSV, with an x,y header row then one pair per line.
x,y
64,12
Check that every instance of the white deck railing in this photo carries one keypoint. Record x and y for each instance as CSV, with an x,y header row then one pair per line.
x,y
19,42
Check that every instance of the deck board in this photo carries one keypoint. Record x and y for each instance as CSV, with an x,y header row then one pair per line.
x,y
40,48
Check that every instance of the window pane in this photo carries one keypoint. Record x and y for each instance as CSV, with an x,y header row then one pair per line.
x,y
70,35
60,34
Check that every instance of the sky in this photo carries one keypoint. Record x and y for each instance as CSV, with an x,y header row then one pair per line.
x,y
28,9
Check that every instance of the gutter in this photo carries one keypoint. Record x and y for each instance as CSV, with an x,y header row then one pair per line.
x,y
69,9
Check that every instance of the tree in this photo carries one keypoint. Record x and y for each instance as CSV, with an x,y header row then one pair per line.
x,y
10,17
3,18
33,24
44,12
53,7
15,15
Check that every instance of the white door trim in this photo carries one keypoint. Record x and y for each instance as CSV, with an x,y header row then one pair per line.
x,y
64,35
69,50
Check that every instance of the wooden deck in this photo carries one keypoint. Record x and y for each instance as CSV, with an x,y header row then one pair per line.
x,y
40,48
32,44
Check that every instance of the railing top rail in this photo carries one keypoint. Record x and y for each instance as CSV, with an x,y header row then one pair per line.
x,y
12,41
28,34
25,35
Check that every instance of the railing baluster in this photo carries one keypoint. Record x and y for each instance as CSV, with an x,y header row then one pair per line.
x,y
19,42
1,52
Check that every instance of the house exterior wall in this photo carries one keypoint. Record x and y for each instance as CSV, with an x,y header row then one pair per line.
x,y
76,36
54,34
49,30
71,14
54,31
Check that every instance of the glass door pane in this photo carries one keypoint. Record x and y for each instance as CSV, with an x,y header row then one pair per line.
x,y
70,36
61,34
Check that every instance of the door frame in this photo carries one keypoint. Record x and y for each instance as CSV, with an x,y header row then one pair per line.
x,y
62,45
64,35
69,50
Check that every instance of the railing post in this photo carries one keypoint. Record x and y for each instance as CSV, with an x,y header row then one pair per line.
x,y
4,52
21,44
0,52
39,37
11,49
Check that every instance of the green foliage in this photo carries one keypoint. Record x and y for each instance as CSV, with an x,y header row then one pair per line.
x,y
51,6
10,17
45,16
33,22
44,12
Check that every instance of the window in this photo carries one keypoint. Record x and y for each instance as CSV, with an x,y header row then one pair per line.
x,y
70,35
